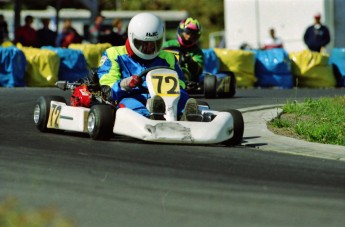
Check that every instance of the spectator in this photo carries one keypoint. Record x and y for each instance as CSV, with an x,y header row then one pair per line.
x,y
117,25
317,36
116,37
98,29
46,37
26,35
119,31
272,41
246,46
3,29
68,35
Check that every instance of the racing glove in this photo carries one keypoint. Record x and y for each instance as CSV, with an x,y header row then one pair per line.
x,y
185,58
131,82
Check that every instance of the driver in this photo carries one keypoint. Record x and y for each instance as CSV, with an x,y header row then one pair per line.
x,y
192,58
120,66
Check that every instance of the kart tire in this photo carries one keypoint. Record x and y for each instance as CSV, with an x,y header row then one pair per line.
x,y
42,109
232,87
100,122
238,129
210,86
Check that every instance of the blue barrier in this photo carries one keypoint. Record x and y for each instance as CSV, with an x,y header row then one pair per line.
x,y
273,68
12,67
211,61
337,59
73,64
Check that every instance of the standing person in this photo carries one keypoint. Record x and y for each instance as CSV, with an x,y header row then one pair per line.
x,y
3,29
120,65
272,41
46,37
26,35
97,30
191,55
118,32
116,37
68,35
117,25
317,36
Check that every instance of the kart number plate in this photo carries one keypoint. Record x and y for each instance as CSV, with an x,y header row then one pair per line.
x,y
54,116
165,84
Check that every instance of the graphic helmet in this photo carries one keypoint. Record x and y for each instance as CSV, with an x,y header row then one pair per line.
x,y
192,28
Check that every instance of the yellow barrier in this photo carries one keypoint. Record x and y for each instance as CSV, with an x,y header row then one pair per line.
x,y
7,44
92,52
241,63
311,69
42,67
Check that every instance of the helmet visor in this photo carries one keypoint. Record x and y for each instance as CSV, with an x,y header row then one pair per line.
x,y
190,36
148,47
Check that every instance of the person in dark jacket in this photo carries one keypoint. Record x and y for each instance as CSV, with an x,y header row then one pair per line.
x,y
46,36
317,36
3,29
68,35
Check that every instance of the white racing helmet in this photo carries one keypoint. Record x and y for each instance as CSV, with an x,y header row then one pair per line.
x,y
145,34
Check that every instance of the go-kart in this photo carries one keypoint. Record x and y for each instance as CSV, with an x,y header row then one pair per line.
x,y
222,84
90,113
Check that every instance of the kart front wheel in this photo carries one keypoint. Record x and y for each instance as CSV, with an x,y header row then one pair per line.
x,y
237,137
100,122
42,109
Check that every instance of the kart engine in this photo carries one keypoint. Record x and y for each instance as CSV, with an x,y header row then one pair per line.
x,y
81,96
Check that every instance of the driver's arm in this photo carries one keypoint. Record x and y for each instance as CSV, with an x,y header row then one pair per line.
x,y
109,72
195,62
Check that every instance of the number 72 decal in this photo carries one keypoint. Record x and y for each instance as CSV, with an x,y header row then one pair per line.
x,y
54,116
165,85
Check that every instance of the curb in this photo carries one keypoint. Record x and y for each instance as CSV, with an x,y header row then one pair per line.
x,y
257,135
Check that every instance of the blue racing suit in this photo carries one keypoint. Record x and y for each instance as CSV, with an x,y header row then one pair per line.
x,y
119,62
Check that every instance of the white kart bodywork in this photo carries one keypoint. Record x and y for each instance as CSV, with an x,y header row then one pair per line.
x,y
132,124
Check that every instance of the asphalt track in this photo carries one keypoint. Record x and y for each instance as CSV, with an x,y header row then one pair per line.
x,y
126,182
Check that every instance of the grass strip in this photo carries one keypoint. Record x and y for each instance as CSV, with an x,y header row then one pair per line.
x,y
315,120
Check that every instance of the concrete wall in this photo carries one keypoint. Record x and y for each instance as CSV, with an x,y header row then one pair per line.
x,y
249,21
339,23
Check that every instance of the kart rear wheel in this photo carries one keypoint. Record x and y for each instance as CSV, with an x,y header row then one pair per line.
x,y
210,86
238,129
100,122
42,109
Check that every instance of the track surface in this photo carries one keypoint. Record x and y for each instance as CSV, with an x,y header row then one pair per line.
x,y
125,182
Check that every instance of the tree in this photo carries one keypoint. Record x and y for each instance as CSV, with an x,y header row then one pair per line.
x,y
209,13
